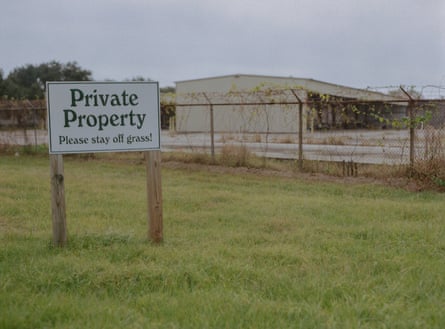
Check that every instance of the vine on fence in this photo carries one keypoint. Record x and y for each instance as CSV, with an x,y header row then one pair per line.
x,y
268,109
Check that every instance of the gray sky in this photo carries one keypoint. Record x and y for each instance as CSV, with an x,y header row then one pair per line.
x,y
357,43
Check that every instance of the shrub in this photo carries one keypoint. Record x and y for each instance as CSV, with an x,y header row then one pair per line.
x,y
235,156
429,172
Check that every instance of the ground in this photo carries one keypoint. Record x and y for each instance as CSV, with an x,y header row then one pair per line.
x,y
397,182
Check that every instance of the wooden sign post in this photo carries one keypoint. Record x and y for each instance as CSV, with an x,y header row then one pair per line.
x,y
154,196
88,117
58,200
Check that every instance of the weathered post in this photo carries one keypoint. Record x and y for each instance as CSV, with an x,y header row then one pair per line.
x,y
300,130
412,132
212,130
154,196
58,200
300,135
212,134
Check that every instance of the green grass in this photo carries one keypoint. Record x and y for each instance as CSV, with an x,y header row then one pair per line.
x,y
240,251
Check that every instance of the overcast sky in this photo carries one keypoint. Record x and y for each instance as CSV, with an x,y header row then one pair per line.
x,y
357,43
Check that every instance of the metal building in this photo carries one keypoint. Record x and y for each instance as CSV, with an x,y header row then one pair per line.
x,y
239,106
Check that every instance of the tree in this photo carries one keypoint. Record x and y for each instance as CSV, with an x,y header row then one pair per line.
x,y
398,93
139,78
2,84
167,90
28,82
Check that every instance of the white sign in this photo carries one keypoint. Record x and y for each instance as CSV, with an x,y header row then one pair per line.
x,y
88,117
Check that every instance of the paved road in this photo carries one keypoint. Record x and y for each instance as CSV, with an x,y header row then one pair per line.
x,y
379,147
394,149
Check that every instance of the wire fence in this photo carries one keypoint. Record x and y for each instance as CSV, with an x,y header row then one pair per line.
x,y
22,122
310,129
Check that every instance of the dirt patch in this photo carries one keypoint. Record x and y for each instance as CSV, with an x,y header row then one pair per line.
x,y
401,182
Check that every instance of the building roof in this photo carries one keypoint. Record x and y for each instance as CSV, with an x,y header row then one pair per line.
x,y
308,84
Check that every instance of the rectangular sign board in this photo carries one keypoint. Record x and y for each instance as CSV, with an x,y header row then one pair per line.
x,y
87,117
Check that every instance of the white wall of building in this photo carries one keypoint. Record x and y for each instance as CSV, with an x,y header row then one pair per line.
x,y
251,118
243,119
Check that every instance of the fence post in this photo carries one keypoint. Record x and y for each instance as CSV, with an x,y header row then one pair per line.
x,y
300,135
212,129
212,133
300,130
412,132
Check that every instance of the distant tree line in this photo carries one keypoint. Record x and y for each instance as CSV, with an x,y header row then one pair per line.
x,y
28,81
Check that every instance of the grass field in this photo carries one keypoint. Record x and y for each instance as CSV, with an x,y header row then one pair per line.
x,y
240,251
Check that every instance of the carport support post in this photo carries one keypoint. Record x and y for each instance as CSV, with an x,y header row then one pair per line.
x,y
154,195
58,200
